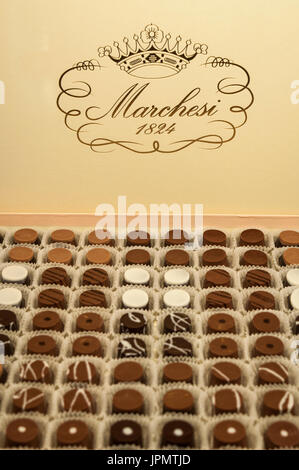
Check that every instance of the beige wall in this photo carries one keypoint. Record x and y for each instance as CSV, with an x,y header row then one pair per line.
x,y
45,169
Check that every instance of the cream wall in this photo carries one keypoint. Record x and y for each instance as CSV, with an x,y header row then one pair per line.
x,y
45,169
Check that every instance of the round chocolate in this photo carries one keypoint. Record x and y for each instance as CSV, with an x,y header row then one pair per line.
x,y
276,402
63,236
177,257
60,255
92,298
223,373
177,298
214,237
177,323
178,401
292,277
82,371
135,298
177,346
219,299
136,276
100,237
8,320
296,326
252,237
15,274
217,278
227,400
87,346
268,346
55,275
128,371
21,254
254,258
90,321
177,372
133,322
95,277
176,237
290,256
51,298
47,320
7,344
42,344
99,256
78,400
223,347
74,433
36,371
138,238
25,235
126,432
282,434
127,400
294,299
257,278
214,257
221,323
178,433
22,433
176,277
229,432
261,300
265,322
272,373
29,399
131,347
289,238
11,297
3,374
138,256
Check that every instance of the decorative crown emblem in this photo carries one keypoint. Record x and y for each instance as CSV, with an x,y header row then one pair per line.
x,y
153,54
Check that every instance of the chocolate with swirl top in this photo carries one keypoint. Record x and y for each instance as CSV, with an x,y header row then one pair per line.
x,y
56,275
7,344
36,371
8,320
177,323
51,298
276,402
96,277
272,373
93,298
131,347
82,371
133,322
224,373
78,400
177,346
29,399
227,400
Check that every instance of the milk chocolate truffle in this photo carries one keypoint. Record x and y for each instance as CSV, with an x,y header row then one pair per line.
x,y
214,237
74,433
82,371
221,323
257,278
177,433
126,432
214,257
224,373
227,400
177,372
217,278
8,320
290,256
21,254
296,326
22,433
177,257
229,432
272,373
127,401
78,400
96,277
51,298
131,347
42,344
87,346
60,255
281,434
133,322
6,343
252,237
138,238
15,274
265,322
93,298
177,346
100,237
99,256
177,323
288,238
276,402
138,256
47,320
57,276
261,300
128,371
63,236
219,299
176,237
268,346
26,235
36,371
254,258
29,399
90,321
223,347
178,401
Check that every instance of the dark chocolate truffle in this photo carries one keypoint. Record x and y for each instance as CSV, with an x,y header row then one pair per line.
x,y
177,433
90,321
268,346
25,235
63,236
3,374
229,432
272,373
22,433
100,237
55,275
219,299
177,323
42,344
29,399
178,401
177,346
261,300
138,256
296,326
95,277
214,257
176,237
60,255
138,238
47,320
36,371
224,373
92,298
276,402
265,322
217,278
282,434
177,257
21,254
257,278
254,258
126,432
289,238
131,347
223,347
8,320
290,256
227,400
133,322
74,433
51,298
128,371
7,345
99,256
82,371
221,323
87,346
78,400
252,237
127,400
214,237
177,372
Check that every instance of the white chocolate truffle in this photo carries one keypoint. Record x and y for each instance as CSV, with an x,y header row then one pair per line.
x,y
292,277
10,296
136,276
135,298
176,277
294,299
15,274
176,298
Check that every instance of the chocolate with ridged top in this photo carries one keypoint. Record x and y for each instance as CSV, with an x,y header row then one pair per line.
x,y
26,235
265,322
224,373
227,400
272,373
100,237
133,322
223,347
126,432
47,320
21,254
87,346
29,399
214,237
254,258
22,432
129,371
176,237
56,275
177,257
177,433
63,236
60,255
178,401
42,344
276,402
221,323
177,372
219,299
138,256
214,257
177,323
252,237
93,298
217,278
281,434
78,400
36,371
8,320
229,432
95,277
131,347
138,238
51,298
90,321
82,371
74,433
257,278
268,346
261,300
127,400
7,344
177,346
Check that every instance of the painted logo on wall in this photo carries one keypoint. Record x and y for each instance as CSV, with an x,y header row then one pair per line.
x,y
155,93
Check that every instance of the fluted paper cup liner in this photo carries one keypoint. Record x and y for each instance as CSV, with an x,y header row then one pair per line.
x,y
275,277
292,318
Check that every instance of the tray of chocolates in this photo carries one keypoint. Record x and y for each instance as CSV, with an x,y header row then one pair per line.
x,y
142,343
